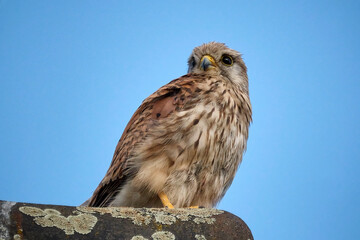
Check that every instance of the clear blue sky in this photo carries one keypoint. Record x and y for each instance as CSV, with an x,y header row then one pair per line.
x,y
73,72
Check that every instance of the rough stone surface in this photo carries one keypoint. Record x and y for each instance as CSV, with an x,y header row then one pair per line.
x,y
37,221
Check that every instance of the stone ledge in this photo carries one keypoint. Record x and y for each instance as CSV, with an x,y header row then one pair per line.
x,y
38,221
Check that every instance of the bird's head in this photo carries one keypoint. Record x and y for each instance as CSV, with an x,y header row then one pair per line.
x,y
217,59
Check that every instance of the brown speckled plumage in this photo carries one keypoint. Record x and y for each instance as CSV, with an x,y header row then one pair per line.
x,y
186,139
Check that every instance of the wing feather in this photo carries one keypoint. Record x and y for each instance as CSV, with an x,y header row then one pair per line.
x,y
169,98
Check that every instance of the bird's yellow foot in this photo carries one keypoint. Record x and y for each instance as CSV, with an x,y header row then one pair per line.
x,y
165,200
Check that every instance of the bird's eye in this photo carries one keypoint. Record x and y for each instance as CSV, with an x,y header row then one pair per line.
x,y
227,60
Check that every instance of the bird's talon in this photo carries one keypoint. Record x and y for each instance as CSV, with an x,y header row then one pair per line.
x,y
165,201
194,207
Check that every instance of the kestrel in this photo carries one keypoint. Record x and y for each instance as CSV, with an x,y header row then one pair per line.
x,y
183,145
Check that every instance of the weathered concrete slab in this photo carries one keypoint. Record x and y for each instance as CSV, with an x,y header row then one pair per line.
x,y
40,222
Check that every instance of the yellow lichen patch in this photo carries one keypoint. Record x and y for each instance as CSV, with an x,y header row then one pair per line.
x,y
82,223
159,227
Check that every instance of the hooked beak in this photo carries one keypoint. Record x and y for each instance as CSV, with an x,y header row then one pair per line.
x,y
207,62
